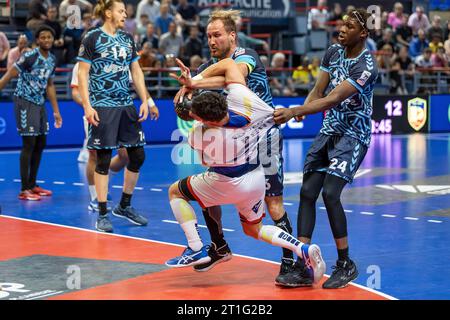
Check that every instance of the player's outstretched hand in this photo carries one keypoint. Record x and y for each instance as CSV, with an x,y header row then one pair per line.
x,y
282,115
154,113
181,94
143,112
58,120
91,116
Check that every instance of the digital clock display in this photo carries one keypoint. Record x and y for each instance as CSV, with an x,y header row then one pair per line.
x,y
400,114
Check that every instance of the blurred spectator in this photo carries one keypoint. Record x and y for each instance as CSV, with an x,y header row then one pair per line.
x,y
386,39
172,8
402,70
195,62
395,18
246,41
419,20
265,61
418,44
447,46
337,13
186,16
171,42
151,37
439,59
447,30
65,11
15,53
148,7
335,36
163,20
280,82
142,26
302,75
403,33
318,16
385,57
147,57
4,49
436,43
130,23
37,14
436,29
170,63
58,43
193,45
424,60
314,67
370,44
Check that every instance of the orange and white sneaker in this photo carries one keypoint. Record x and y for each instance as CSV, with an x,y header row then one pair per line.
x,y
29,195
42,192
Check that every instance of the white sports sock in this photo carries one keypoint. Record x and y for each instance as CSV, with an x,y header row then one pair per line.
x,y
92,192
280,238
185,215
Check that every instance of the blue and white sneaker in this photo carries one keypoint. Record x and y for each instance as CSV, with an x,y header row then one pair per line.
x,y
130,214
190,258
314,262
93,205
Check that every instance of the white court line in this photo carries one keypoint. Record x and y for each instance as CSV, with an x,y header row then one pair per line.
x,y
435,221
117,187
388,215
181,246
138,188
45,295
40,181
1,179
411,218
367,213
288,204
78,184
156,189
199,225
348,211
17,180
58,182
322,208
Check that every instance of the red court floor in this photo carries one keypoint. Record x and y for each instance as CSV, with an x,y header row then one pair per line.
x,y
242,278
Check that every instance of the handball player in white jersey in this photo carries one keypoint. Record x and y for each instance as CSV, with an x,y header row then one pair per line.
x,y
226,136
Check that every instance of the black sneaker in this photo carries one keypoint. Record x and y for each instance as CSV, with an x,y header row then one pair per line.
x,y
219,255
344,272
294,275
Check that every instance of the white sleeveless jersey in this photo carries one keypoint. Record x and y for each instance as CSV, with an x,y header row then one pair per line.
x,y
231,147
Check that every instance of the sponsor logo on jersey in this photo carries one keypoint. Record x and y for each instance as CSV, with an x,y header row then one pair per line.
x,y
363,78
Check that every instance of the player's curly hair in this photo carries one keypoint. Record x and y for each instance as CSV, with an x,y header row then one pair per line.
x,y
102,6
228,17
210,106
361,15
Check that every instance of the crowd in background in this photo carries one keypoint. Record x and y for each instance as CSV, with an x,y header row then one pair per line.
x,y
172,29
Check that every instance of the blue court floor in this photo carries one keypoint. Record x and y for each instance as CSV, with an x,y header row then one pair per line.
x,y
398,208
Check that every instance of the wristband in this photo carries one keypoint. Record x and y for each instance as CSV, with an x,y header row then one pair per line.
x,y
150,102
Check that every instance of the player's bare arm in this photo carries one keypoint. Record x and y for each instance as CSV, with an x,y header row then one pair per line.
x,y
12,73
138,79
339,94
83,75
51,94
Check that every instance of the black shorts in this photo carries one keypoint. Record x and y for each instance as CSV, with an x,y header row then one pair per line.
x,y
271,158
118,127
31,119
337,155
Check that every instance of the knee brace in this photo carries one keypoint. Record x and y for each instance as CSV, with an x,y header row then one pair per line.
x,y
103,161
136,156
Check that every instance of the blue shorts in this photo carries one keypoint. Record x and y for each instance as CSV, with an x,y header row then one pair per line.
x,y
337,155
271,158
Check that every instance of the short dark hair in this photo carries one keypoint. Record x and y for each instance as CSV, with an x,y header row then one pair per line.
x,y
210,106
43,28
360,15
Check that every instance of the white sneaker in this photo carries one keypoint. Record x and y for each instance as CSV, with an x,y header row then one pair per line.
x,y
83,156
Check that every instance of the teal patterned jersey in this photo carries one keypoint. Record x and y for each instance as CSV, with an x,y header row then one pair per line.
x,y
34,72
352,117
110,58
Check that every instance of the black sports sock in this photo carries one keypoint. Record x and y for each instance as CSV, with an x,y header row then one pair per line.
x,y
343,254
285,224
102,208
126,200
213,218
25,159
36,159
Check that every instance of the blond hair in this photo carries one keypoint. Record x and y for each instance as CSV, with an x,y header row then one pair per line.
x,y
228,18
102,6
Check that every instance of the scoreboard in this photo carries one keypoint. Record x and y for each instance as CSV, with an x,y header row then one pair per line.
x,y
400,114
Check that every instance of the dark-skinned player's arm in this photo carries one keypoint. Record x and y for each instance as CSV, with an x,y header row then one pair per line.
x,y
11,73
336,96
51,94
